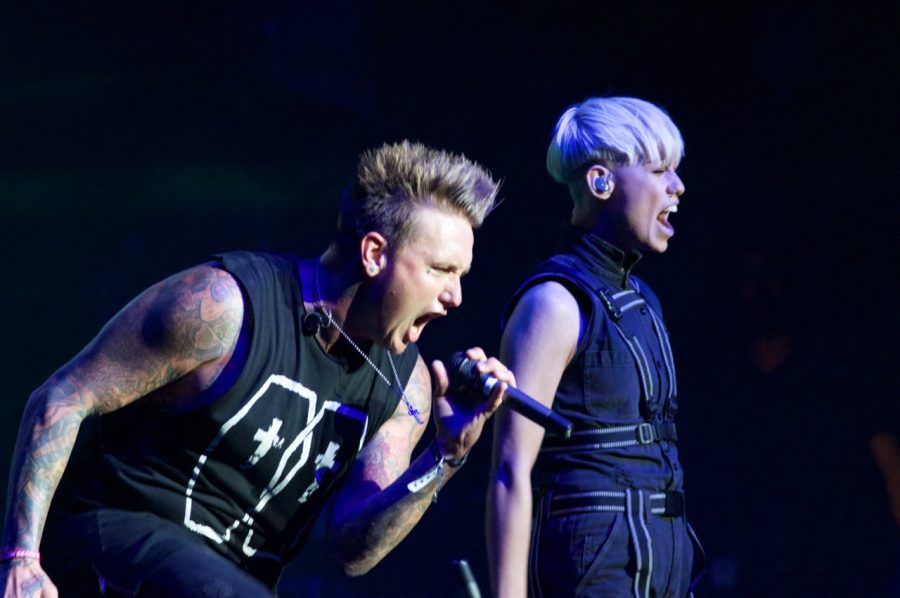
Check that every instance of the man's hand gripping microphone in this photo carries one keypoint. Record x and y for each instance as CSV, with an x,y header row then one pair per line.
x,y
464,373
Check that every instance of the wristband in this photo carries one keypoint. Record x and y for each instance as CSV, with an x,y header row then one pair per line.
x,y
439,458
436,472
20,553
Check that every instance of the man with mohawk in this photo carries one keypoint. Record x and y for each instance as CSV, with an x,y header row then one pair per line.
x,y
237,396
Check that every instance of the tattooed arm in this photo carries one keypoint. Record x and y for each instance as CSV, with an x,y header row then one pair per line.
x,y
375,508
177,334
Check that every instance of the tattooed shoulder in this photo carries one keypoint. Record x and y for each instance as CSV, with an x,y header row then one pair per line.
x,y
197,314
179,332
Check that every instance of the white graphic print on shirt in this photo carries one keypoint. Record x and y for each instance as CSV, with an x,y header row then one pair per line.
x,y
277,457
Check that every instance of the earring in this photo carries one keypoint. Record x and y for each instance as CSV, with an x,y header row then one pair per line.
x,y
601,184
372,269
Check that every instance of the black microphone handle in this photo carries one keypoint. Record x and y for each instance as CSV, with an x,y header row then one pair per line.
x,y
465,373
537,412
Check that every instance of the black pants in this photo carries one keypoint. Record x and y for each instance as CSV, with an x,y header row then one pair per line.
x,y
118,553
608,553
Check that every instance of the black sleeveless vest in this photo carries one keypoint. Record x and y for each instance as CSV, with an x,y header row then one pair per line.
x,y
621,376
250,472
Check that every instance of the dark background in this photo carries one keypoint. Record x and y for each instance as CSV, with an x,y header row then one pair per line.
x,y
136,139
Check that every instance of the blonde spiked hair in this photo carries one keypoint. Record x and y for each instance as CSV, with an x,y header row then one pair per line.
x,y
394,180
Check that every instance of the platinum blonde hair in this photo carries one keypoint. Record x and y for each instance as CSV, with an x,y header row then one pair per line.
x,y
615,131
394,180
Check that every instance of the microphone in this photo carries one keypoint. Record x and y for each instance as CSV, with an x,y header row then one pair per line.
x,y
464,372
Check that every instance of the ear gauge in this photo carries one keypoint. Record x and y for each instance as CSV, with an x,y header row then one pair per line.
x,y
601,184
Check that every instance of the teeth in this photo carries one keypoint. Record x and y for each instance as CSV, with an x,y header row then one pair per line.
x,y
671,209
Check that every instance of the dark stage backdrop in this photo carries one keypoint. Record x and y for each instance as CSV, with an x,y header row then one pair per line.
x,y
138,138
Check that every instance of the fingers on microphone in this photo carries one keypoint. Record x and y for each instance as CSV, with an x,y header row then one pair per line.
x,y
441,379
497,395
495,368
476,354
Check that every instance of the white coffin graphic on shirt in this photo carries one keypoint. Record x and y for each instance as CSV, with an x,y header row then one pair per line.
x,y
271,438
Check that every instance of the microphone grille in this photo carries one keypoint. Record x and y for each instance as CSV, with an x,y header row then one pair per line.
x,y
462,370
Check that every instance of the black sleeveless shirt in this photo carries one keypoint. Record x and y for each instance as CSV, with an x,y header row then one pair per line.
x,y
250,472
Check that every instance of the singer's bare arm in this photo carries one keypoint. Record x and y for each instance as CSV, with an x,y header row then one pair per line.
x,y
538,343
375,508
172,339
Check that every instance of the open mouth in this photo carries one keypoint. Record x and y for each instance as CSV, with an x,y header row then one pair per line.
x,y
663,216
418,325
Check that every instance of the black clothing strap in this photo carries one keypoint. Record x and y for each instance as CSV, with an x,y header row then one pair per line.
x,y
665,503
617,303
613,437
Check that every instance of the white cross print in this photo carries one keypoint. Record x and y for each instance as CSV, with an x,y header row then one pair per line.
x,y
327,459
266,439
324,462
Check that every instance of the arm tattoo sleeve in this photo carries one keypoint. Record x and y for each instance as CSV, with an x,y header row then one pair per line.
x,y
188,320
376,509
